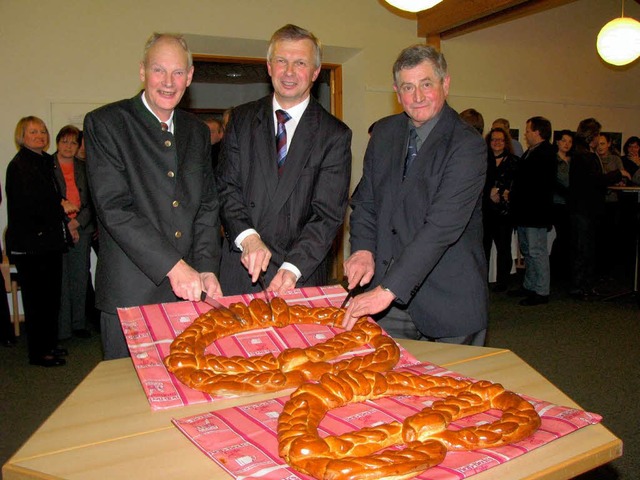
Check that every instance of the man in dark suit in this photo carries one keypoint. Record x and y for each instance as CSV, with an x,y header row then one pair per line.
x,y
152,183
283,176
416,225
531,199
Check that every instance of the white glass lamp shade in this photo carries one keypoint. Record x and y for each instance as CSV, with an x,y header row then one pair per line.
x,y
619,41
413,5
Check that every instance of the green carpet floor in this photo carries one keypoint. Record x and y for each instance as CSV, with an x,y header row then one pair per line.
x,y
589,350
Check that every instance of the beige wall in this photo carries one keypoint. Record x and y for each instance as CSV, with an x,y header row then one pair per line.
x,y
63,57
547,64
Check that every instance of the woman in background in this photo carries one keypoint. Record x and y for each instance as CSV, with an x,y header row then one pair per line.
x,y
36,238
560,252
631,158
498,228
70,173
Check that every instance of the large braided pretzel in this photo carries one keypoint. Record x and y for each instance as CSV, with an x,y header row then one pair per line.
x,y
217,374
425,434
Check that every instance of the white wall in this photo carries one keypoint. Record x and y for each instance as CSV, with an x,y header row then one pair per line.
x,y
64,57
547,64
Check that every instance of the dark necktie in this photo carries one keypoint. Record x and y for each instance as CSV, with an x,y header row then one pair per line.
x,y
165,127
281,137
412,151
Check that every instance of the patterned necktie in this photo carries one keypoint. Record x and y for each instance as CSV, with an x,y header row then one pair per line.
x,y
281,137
412,151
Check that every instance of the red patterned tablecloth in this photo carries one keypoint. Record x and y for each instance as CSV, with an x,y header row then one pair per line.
x,y
243,439
150,329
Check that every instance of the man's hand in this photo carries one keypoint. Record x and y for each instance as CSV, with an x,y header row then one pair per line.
x,y
359,268
284,280
368,303
73,227
186,282
210,284
255,256
68,207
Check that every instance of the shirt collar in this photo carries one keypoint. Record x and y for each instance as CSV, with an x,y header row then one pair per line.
x,y
168,122
296,111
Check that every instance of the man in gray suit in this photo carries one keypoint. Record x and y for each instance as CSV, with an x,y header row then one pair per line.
x,y
152,183
416,225
283,175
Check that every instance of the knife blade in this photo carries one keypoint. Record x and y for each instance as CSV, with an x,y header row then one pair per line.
x,y
216,304
263,287
350,294
357,290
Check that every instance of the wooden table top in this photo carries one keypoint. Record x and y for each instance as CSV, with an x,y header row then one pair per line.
x,y
106,429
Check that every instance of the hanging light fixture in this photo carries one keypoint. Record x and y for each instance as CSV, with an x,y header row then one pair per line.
x,y
413,5
618,42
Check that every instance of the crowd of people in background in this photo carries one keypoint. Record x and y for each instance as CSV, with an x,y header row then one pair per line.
x,y
178,209
562,186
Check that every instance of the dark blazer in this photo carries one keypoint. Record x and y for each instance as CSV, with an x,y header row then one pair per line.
x,y
35,216
533,185
86,215
298,213
426,232
155,198
588,183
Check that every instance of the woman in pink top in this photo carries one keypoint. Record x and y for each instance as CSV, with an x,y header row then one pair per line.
x,y
71,177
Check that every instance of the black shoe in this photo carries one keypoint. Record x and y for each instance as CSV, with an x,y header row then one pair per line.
x,y
499,288
535,299
521,292
82,333
12,342
59,352
48,361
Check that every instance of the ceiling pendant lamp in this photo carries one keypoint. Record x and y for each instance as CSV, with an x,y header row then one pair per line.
x,y
618,42
413,5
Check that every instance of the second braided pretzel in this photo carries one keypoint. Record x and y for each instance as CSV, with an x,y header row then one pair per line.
x,y
425,435
217,374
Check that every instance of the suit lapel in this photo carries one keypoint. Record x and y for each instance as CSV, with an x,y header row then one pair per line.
x,y
264,146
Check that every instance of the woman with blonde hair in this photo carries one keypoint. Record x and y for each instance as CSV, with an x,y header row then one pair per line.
x,y
36,238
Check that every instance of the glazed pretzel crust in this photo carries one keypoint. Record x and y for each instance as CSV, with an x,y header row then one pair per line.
x,y
215,374
425,435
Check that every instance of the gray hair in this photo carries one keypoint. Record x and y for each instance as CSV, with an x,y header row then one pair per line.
x,y
293,32
176,37
416,54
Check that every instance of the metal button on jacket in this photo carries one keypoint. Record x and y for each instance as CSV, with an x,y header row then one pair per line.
x,y
167,143
170,174
178,234
175,203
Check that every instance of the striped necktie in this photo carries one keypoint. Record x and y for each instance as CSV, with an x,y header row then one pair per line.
x,y
412,151
281,137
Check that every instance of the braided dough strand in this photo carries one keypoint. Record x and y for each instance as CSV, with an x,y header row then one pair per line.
x,y
425,435
217,374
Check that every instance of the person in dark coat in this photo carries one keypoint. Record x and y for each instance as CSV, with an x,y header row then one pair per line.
x,y
416,225
36,238
152,184
532,210
283,183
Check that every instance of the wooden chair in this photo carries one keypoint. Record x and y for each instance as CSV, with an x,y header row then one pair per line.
x,y
11,286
